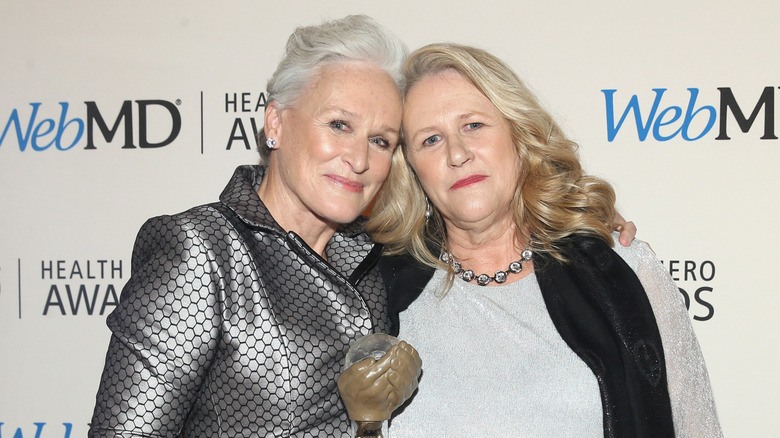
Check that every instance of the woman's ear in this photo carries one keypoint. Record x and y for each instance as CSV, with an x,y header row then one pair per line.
x,y
273,121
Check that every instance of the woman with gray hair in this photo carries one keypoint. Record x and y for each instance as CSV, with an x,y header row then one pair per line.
x,y
238,314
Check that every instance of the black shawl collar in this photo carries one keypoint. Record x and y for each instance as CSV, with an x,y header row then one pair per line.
x,y
602,312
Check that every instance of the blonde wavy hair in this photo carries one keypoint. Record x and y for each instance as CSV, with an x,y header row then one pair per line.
x,y
554,197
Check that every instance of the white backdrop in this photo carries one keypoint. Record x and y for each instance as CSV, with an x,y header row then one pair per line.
x,y
70,211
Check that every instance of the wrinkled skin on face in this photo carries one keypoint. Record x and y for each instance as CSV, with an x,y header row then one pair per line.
x,y
372,389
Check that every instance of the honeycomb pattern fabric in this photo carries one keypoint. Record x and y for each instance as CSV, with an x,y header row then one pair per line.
x,y
231,327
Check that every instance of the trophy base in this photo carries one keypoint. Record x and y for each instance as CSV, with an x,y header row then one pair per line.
x,y
369,429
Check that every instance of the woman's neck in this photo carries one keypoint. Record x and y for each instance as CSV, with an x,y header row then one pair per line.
x,y
487,249
292,215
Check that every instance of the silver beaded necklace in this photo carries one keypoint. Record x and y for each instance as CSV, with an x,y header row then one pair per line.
x,y
468,275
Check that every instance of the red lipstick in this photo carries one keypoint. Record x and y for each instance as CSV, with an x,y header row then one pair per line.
x,y
467,181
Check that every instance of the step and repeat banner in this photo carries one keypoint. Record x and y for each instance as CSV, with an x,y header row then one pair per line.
x,y
113,112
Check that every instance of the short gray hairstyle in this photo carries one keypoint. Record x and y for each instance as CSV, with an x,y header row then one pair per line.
x,y
352,38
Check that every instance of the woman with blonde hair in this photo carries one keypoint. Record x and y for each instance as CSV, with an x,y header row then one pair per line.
x,y
506,280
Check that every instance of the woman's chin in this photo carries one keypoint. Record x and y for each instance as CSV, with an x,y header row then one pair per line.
x,y
474,215
340,214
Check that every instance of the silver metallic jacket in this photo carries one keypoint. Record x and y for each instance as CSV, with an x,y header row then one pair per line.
x,y
229,326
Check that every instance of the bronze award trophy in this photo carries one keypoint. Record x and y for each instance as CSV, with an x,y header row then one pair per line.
x,y
372,390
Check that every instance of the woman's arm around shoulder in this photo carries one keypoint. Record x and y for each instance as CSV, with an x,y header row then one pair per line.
x,y
693,406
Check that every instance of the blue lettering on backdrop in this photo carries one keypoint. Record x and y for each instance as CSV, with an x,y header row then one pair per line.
x,y
667,122
42,128
38,431
666,117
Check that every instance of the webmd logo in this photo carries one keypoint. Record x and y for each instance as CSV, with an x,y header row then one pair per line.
x,y
691,121
38,431
41,129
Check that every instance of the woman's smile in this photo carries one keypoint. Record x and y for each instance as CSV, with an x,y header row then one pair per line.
x,y
346,183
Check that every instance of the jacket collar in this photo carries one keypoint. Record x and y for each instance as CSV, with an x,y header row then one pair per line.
x,y
240,195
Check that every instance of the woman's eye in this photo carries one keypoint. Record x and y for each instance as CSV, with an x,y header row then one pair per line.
x,y
431,140
474,125
380,141
339,125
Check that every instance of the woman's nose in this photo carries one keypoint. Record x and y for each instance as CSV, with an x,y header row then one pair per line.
x,y
458,152
356,156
